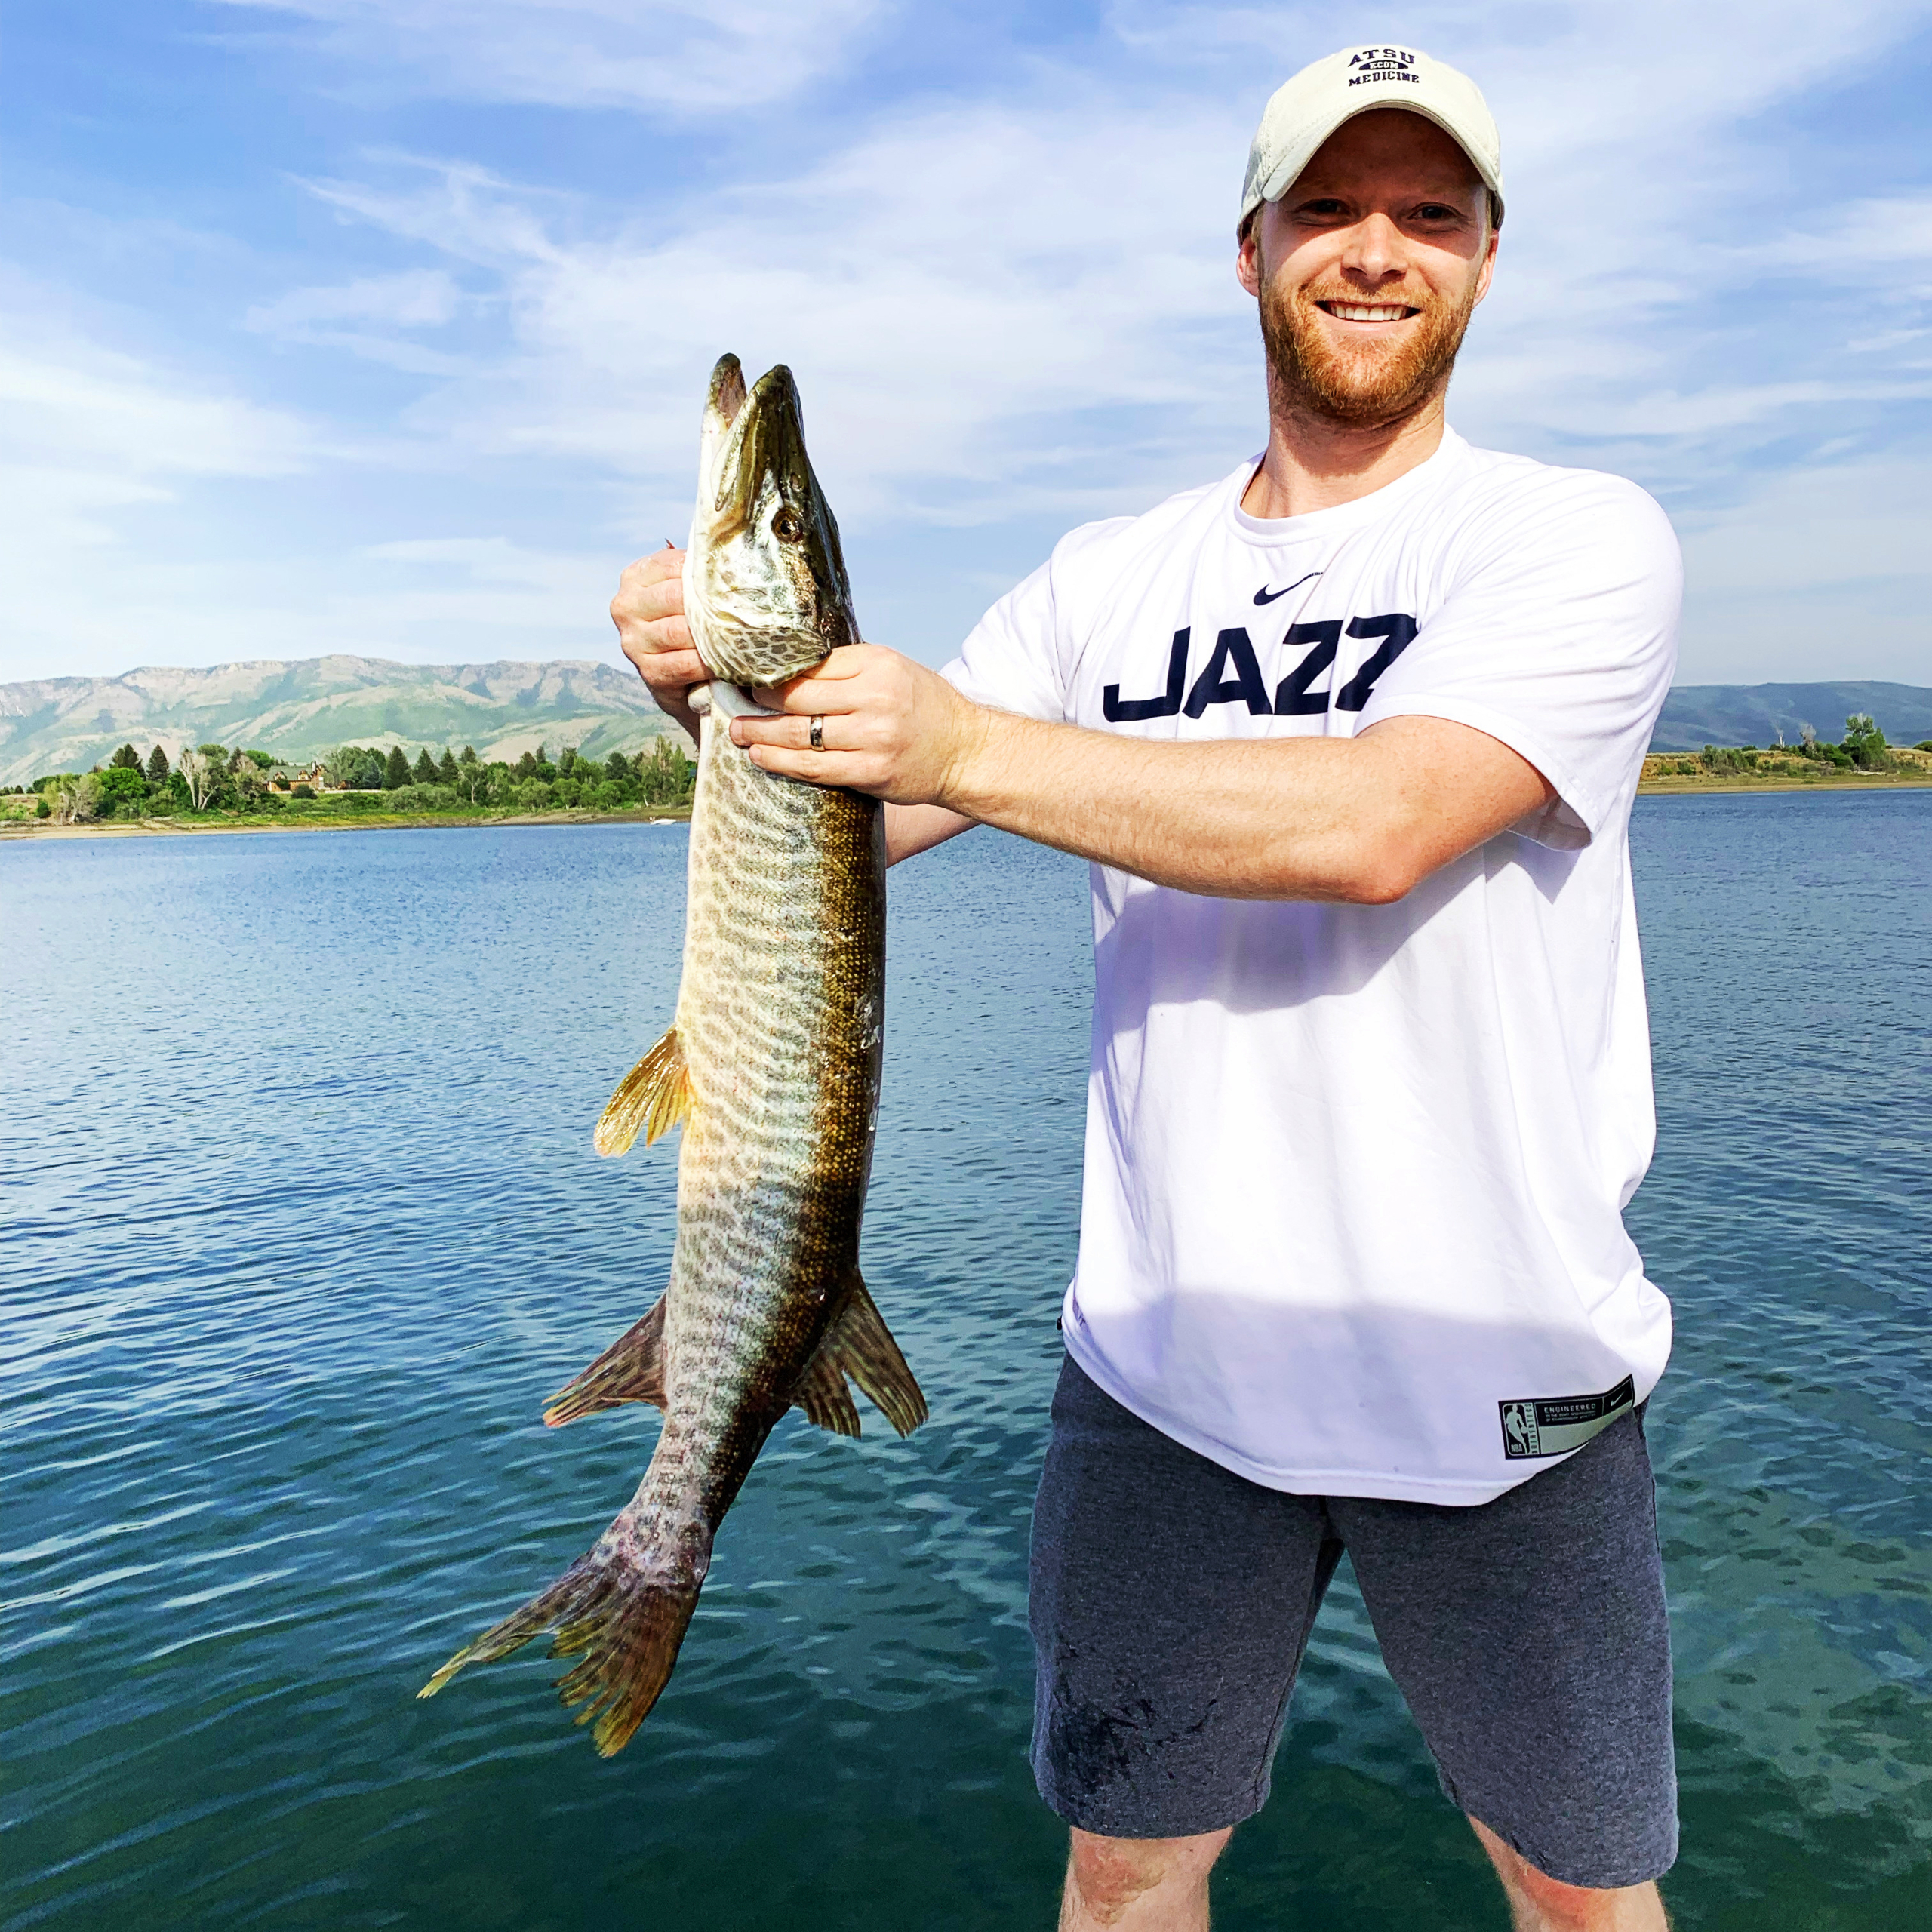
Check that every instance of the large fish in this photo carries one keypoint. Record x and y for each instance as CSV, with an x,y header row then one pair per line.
x,y
772,1064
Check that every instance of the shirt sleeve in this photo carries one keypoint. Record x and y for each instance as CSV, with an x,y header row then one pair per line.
x,y
1020,656
1011,659
1558,636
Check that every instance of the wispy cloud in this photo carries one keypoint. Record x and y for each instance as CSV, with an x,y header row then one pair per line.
x,y
678,58
1007,289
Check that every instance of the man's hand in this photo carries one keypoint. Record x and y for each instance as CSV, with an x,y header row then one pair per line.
x,y
649,612
888,726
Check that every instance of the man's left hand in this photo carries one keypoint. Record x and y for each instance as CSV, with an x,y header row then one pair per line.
x,y
890,727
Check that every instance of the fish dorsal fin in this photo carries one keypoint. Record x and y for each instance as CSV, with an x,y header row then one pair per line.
x,y
655,1095
858,1344
631,1370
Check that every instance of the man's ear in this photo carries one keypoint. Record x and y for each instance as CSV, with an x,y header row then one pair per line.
x,y
1248,253
1486,274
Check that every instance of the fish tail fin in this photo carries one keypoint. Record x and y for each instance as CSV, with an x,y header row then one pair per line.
x,y
859,1344
631,1370
625,1623
654,1095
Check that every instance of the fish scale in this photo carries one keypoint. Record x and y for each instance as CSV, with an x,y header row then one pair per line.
x,y
772,1064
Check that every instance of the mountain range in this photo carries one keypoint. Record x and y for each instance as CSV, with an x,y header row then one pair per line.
x,y
300,709
1695,715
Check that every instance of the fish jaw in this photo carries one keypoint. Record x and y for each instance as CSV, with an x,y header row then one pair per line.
x,y
766,592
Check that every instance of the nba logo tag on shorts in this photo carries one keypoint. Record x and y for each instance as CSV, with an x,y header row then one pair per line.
x,y
1534,1426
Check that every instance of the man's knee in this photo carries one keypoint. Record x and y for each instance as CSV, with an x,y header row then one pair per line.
x,y
1540,1903
1110,1875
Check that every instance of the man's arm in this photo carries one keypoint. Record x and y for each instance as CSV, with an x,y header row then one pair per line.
x,y
1361,820
649,612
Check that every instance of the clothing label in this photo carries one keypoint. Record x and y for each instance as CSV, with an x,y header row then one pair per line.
x,y
1554,1424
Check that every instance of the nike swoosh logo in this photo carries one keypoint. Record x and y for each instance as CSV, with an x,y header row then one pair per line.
x,y
1264,595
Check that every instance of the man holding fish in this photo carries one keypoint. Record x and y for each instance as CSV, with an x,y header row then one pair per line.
x,y
1351,738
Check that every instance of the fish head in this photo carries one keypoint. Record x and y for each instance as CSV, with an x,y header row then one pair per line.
x,y
766,593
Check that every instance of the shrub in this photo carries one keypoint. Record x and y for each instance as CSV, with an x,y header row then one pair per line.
x,y
43,809
302,791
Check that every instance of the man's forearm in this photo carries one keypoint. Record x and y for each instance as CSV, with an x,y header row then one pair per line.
x,y
1359,820
910,829
1299,818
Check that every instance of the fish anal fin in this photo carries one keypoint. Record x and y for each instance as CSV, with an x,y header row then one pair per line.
x,y
859,1345
631,1370
653,1096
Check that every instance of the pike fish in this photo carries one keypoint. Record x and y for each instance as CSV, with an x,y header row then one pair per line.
x,y
771,1065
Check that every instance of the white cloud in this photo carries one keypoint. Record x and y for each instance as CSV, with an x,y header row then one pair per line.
x,y
675,57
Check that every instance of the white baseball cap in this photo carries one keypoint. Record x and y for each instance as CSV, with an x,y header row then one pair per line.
x,y
1307,109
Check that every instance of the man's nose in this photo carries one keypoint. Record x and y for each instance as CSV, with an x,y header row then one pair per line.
x,y
1375,248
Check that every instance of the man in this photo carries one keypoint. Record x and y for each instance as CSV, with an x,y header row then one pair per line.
x,y
1351,738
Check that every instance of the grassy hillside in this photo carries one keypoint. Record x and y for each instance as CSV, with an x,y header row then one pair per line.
x,y
1695,715
300,709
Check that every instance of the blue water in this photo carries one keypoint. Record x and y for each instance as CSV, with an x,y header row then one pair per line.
x,y
303,1224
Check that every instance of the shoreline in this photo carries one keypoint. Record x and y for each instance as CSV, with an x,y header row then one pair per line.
x,y
1732,783
19,831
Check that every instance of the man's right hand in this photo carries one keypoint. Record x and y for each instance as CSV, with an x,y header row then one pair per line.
x,y
649,612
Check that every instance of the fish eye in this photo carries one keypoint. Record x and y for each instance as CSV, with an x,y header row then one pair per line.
x,y
786,527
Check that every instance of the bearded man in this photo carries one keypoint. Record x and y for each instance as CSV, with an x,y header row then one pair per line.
x,y
1351,738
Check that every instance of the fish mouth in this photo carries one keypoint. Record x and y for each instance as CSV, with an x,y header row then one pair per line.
x,y
771,555
755,445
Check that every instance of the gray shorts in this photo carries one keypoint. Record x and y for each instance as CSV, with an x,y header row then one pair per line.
x,y
1172,1600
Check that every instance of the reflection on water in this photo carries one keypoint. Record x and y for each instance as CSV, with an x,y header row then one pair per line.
x,y
304,1224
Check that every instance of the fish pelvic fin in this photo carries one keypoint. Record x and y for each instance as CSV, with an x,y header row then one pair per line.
x,y
859,1345
631,1370
654,1095
626,1622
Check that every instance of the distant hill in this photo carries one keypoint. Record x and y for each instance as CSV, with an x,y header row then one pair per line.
x,y
1695,715
301,709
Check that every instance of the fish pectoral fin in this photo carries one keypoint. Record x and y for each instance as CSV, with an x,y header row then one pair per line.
x,y
631,1370
859,1344
655,1095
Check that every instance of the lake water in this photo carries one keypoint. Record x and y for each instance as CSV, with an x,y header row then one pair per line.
x,y
303,1223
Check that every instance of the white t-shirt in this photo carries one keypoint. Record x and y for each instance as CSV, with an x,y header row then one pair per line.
x,y
1354,1175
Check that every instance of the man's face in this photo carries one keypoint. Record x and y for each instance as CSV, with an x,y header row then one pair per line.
x,y
1368,269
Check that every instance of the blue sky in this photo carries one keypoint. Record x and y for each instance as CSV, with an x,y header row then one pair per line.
x,y
382,325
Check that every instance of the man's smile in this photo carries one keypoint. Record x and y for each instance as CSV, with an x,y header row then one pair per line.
x,y
1368,311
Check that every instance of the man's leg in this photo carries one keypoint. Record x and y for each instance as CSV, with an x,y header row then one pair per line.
x,y
1528,1635
1171,1603
1139,1884
1540,1903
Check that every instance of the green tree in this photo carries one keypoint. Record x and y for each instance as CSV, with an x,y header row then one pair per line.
x,y
526,767
446,772
468,756
126,759
122,788
424,773
667,776
157,768
618,768
1865,744
395,772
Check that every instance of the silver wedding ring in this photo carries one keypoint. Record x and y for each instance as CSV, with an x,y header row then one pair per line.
x,y
817,737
